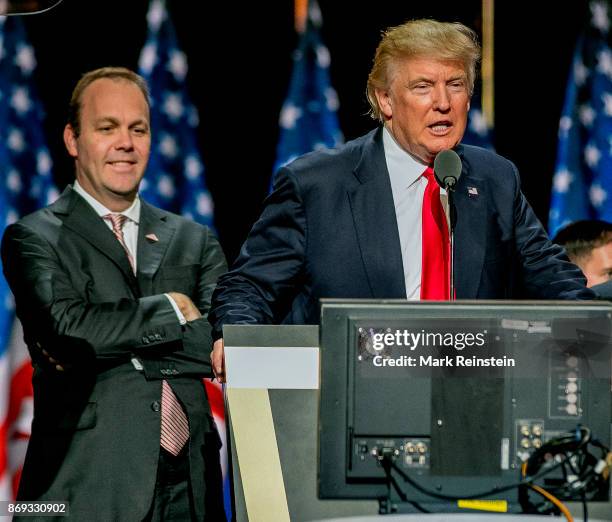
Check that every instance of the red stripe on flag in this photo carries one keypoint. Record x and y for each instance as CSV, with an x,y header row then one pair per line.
x,y
215,398
3,450
21,388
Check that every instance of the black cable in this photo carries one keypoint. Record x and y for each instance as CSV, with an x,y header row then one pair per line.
x,y
525,482
391,481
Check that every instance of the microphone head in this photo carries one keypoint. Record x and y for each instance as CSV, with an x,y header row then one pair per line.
x,y
447,168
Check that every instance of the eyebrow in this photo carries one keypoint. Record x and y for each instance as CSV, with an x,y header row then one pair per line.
x,y
115,121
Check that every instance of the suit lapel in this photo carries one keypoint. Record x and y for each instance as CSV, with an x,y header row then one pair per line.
x,y
375,222
83,220
154,235
470,231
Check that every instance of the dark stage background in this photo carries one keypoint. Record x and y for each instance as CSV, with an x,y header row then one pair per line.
x,y
240,60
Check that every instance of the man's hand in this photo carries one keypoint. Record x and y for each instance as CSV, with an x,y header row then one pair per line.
x,y
217,359
52,361
186,306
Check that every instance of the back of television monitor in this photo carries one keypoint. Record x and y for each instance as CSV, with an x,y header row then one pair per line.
x,y
447,436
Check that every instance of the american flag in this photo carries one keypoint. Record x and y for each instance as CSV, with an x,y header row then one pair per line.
x,y
478,131
582,183
175,174
26,184
308,119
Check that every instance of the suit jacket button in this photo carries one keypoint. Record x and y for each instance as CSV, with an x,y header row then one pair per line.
x,y
155,406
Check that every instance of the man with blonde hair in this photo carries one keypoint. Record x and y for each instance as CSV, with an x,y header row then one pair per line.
x,y
366,220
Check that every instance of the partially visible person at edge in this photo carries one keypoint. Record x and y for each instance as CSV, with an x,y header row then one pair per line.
x,y
356,222
588,243
113,295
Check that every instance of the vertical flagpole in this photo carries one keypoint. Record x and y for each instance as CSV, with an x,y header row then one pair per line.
x,y
488,19
301,12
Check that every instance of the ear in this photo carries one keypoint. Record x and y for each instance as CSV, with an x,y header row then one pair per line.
x,y
384,102
70,140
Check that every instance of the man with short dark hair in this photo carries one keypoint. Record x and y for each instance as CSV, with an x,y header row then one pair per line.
x,y
113,295
588,244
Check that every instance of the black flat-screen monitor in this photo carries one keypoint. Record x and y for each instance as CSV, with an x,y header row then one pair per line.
x,y
458,395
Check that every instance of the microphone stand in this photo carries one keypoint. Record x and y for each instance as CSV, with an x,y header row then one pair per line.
x,y
449,186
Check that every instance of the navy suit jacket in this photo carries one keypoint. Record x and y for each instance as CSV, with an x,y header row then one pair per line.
x,y
329,229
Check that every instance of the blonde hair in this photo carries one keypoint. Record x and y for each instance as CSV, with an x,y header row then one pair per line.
x,y
439,40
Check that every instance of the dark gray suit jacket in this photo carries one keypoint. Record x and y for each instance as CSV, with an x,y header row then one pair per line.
x,y
96,429
329,230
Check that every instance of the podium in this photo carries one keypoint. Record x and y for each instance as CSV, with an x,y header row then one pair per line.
x,y
272,397
272,404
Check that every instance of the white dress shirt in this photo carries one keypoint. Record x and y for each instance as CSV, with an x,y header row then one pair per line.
x,y
408,187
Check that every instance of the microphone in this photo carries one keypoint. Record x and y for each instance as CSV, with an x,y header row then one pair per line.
x,y
447,168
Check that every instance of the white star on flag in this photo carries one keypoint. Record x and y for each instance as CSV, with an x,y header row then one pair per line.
x,y
43,162
16,141
597,195
204,204
178,65
168,146
148,58
20,101
581,72
173,106
331,99
478,123
592,155
604,62
606,97
289,116
562,180
323,57
156,15
600,16
165,186
25,59
13,181
565,124
193,167
586,115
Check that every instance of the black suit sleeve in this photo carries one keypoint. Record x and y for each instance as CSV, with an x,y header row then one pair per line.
x,y
61,319
546,272
264,279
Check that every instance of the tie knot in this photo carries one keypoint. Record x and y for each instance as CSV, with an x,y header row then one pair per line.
x,y
117,220
429,173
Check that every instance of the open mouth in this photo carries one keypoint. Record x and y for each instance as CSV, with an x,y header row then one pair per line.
x,y
440,128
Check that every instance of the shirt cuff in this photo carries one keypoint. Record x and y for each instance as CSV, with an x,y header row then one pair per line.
x,y
179,315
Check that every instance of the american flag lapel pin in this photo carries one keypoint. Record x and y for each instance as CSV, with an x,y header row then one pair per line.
x,y
152,237
472,192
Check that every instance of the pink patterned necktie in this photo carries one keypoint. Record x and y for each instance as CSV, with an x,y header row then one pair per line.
x,y
174,424
117,221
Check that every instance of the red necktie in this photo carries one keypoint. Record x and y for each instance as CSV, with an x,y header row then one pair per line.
x,y
435,264
174,423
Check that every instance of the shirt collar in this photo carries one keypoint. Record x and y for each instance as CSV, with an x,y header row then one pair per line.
x,y
132,212
404,170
